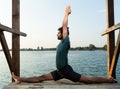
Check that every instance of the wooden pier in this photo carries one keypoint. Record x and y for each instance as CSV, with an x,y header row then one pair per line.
x,y
61,84
113,51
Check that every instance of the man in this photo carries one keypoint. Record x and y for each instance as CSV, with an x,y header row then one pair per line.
x,y
64,70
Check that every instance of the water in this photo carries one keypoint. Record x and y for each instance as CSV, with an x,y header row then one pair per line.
x,y
36,63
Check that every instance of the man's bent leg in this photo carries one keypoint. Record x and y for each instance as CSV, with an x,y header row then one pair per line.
x,y
32,79
91,80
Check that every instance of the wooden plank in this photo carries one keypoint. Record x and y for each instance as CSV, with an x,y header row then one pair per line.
x,y
16,38
61,84
6,50
113,28
115,56
8,29
111,35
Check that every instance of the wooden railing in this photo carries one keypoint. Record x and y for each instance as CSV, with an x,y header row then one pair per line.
x,y
110,29
13,59
4,43
11,30
112,49
116,50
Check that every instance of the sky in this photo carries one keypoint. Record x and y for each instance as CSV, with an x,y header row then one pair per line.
x,y
40,19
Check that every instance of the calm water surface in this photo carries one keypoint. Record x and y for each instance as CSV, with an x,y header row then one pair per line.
x,y
36,63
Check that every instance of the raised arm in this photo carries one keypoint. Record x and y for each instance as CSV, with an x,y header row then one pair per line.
x,y
65,21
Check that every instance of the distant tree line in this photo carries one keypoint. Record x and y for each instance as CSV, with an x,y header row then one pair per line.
x,y
90,47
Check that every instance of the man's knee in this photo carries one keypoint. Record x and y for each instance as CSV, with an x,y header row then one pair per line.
x,y
46,77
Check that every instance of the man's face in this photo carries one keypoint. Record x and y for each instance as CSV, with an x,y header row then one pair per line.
x,y
59,36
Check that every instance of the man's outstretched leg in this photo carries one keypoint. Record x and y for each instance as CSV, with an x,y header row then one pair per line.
x,y
97,80
32,79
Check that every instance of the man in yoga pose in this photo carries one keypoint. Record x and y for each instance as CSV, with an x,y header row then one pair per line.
x,y
64,70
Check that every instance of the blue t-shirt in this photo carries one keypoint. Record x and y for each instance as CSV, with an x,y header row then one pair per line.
x,y
62,53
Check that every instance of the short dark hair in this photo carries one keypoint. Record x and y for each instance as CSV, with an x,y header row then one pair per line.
x,y
61,30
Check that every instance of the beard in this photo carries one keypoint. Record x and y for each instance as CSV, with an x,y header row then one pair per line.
x,y
60,38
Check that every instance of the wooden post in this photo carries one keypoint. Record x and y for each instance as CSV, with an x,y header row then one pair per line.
x,y
111,35
15,37
115,56
6,50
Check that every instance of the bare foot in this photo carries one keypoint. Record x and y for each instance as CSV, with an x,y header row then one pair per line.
x,y
16,78
112,80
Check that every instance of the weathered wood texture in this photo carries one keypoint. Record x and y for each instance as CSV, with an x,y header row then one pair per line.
x,y
111,35
15,37
61,84
115,56
110,29
14,60
6,50
11,30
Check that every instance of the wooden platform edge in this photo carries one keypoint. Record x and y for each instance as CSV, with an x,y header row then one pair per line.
x,y
61,84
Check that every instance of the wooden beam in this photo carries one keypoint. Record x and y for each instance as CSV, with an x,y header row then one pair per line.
x,y
111,35
16,38
6,50
115,56
110,29
8,29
